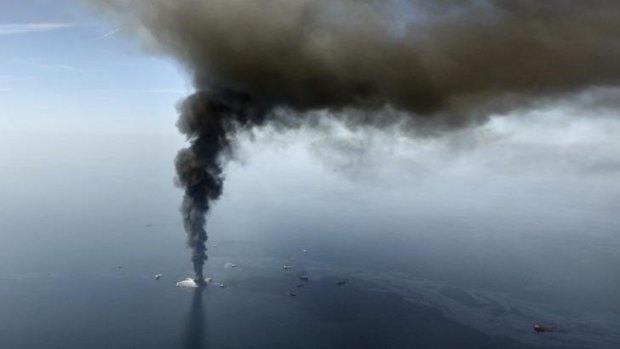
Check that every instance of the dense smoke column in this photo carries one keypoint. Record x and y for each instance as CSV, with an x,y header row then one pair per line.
x,y
210,121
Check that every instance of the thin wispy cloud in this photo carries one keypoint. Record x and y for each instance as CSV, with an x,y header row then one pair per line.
x,y
158,91
147,91
38,63
25,28
62,67
8,79
108,34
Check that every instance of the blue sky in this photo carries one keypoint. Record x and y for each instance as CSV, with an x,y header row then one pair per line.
x,y
64,68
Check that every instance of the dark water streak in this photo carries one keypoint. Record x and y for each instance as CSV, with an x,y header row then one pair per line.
x,y
194,335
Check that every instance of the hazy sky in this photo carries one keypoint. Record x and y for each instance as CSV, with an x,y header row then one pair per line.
x,y
62,68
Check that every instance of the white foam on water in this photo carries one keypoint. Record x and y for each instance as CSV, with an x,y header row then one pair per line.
x,y
191,283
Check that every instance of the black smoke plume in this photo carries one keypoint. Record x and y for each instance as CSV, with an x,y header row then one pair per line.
x,y
209,120
437,63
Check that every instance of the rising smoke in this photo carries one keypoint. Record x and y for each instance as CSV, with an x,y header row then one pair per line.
x,y
208,119
439,63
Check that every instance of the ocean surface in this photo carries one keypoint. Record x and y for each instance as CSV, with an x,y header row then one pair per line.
x,y
441,263
253,310
259,304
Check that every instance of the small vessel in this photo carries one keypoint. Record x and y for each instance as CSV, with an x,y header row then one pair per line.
x,y
542,329
158,276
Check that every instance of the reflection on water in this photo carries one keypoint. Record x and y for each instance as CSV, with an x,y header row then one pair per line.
x,y
193,337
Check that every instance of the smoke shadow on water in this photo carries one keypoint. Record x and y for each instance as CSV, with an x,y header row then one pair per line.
x,y
194,334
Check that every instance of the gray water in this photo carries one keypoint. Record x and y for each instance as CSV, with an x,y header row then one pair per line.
x,y
430,263
105,311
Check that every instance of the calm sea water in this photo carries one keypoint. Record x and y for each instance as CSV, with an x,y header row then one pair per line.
x,y
263,305
125,308
105,311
